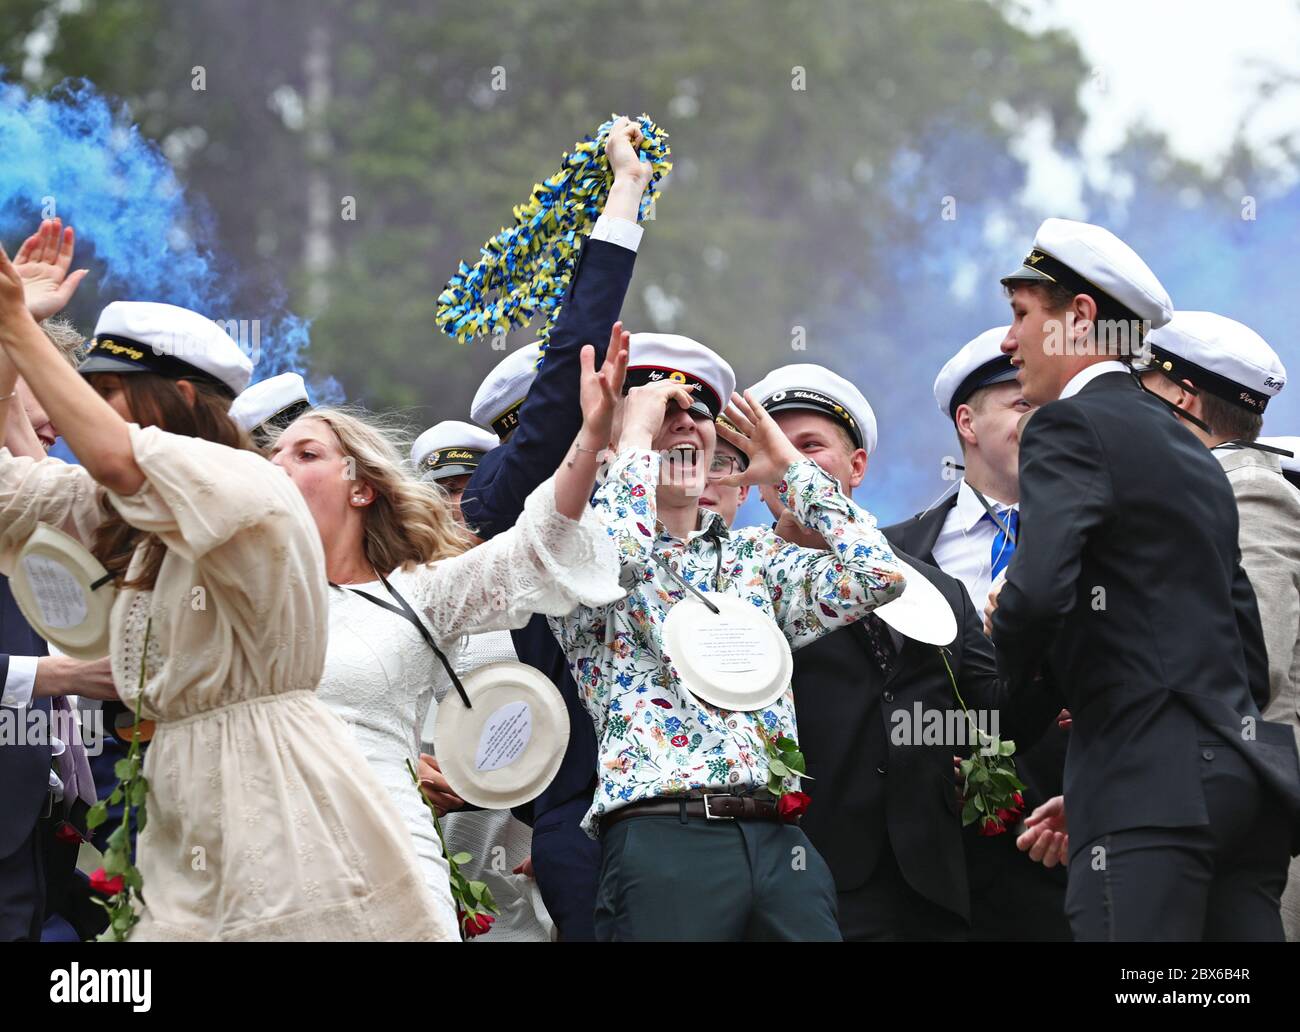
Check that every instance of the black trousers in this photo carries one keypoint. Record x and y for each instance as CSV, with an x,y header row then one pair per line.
x,y
671,879
887,909
566,863
1218,882
22,889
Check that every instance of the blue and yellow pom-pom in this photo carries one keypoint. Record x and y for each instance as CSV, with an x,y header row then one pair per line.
x,y
524,271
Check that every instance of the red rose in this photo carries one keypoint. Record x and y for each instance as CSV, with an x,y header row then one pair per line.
x,y
1007,816
1018,799
65,832
989,827
791,806
101,882
476,924
679,740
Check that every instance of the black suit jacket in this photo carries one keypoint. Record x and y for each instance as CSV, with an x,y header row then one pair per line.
x,y
1012,897
549,420
917,534
1127,587
866,781
24,769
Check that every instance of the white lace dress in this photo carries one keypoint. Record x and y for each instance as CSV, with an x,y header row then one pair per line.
x,y
382,678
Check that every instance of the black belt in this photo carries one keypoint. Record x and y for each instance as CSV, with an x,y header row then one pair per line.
x,y
719,806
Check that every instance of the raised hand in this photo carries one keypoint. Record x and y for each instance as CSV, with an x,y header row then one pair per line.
x,y
622,148
600,392
42,264
14,314
646,408
758,436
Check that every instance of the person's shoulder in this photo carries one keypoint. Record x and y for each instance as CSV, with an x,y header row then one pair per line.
x,y
1262,485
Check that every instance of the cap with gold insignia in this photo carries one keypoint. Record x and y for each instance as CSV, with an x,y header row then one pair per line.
x,y
1088,259
148,337
449,449
497,400
271,404
1218,355
980,363
804,385
742,459
652,357
1290,463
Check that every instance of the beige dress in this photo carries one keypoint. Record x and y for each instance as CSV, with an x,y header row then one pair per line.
x,y
265,821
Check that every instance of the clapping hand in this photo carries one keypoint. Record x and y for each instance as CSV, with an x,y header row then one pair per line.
x,y
42,264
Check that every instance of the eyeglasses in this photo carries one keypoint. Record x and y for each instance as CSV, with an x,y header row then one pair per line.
x,y
723,466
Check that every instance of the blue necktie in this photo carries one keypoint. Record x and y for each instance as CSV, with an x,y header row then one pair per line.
x,y
1003,547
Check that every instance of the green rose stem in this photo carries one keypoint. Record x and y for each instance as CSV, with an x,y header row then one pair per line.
x,y
472,897
990,781
132,790
784,760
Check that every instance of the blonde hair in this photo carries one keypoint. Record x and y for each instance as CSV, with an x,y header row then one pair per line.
x,y
409,523
67,338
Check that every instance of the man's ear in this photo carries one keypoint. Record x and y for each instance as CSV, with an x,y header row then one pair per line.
x,y
1189,399
1084,310
964,420
187,391
857,467
744,492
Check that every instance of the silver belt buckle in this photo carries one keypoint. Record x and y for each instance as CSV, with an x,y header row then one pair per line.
x,y
709,815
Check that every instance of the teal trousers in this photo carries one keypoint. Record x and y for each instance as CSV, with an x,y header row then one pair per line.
x,y
669,879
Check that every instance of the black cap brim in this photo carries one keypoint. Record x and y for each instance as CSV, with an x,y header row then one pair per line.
x,y
807,406
444,472
1026,273
107,364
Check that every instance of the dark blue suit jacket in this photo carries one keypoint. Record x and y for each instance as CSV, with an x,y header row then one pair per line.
x,y
24,769
549,420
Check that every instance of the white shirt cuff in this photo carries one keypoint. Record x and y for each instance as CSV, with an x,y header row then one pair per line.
x,y
20,682
617,231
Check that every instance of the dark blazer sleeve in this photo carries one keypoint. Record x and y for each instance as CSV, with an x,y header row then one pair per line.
x,y
1252,634
1065,494
551,415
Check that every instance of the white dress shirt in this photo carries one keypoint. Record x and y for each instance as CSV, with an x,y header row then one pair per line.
x,y
964,547
617,231
1085,376
20,682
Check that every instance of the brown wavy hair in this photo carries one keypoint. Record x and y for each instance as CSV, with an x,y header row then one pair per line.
x,y
157,401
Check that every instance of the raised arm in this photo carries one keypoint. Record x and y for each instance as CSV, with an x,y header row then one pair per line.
x,y
556,556
93,429
551,414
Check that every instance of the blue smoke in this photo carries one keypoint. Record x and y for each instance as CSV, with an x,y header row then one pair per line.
x,y
936,286
76,156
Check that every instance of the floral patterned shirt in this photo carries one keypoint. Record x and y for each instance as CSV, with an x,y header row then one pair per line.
x,y
655,738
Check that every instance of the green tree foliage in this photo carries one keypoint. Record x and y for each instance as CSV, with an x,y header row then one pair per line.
x,y
783,204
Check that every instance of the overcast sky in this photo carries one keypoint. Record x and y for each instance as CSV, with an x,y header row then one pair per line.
x,y
1189,68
